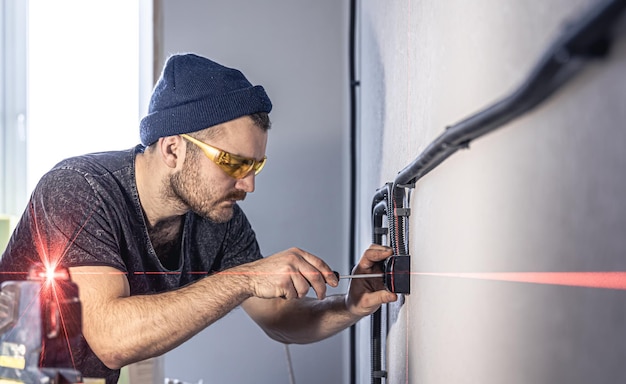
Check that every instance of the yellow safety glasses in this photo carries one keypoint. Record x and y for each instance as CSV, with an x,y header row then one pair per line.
x,y
234,165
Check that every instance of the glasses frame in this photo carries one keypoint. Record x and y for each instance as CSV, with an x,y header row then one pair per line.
x,y
234,165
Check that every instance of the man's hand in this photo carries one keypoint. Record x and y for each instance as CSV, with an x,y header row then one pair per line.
x,y
288,274
365,296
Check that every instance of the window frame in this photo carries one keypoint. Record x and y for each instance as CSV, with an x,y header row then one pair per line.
x,y
13,101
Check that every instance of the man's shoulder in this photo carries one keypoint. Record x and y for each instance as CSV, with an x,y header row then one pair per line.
x,y
102,173
98,163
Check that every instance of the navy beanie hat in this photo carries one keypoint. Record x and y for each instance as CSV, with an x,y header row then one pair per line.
x,y
194,93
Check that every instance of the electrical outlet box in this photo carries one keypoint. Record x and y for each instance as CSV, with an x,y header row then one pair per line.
x,y
398,274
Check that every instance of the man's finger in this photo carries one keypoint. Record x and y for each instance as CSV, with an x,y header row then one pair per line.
x,y
321,266
373,255
315,280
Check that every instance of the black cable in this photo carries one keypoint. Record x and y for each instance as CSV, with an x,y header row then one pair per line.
x,y
353,131
380,209
588,37
353,170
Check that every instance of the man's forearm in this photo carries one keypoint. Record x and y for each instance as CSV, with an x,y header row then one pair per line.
x,y
304,320
132,328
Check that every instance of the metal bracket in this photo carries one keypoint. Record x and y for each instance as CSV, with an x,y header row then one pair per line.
x,y
381,230
379,374
402,212
408,186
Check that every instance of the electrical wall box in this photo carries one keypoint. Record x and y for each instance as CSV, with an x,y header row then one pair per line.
x,y
398,274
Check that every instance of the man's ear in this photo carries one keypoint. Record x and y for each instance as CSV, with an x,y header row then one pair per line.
x,y
172,150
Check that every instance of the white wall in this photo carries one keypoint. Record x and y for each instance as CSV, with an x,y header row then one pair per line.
x,y
298,51
545,193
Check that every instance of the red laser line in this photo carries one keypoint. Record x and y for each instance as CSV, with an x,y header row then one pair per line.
x,y
46,258
67,340
99,273
601,280
598,280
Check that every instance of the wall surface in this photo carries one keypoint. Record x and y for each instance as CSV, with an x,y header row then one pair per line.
x,y
545,193
298,51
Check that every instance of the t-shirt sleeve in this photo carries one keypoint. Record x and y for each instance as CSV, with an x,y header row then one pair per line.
x,y
70,222
241,245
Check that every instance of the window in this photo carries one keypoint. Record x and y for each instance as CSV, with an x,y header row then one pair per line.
x,y
84,77
75,78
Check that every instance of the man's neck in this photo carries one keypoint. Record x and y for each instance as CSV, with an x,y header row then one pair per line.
x,y
163,216
159,210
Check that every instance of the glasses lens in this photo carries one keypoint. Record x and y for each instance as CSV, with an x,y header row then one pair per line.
x,y
240,167
259,166
236,166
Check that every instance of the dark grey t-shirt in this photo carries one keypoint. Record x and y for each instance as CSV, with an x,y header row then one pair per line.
x,y
86,212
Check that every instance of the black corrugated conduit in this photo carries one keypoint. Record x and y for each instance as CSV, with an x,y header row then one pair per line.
x,y
588,38
352,173
379,232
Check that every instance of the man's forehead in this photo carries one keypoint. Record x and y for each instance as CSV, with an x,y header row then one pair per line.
x,y
228,128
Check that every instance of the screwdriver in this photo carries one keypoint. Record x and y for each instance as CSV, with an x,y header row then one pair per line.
x,y
363,276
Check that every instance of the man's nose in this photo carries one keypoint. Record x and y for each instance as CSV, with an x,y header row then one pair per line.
x,y
246,183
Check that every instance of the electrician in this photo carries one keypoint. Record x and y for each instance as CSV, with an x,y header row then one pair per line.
x,y
156,242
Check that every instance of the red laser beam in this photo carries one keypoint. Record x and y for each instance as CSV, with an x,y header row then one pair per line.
x,y
49,293
602,280
50,252
57,293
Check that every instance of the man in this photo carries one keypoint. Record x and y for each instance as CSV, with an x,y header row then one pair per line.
x,y
156,243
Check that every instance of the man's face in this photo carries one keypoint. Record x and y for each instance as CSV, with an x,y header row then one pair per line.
x,y
203,186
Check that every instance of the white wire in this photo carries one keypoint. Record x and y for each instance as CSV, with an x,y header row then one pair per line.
x,y
292,379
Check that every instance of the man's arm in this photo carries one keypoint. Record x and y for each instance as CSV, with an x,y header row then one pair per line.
x,y
122,329
308,320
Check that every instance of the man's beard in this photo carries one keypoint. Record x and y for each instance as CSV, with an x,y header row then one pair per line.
x,y
201,198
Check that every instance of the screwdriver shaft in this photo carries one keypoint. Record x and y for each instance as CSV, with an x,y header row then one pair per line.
x,y
363,276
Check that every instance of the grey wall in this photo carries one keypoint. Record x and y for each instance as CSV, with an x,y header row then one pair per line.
x,y
296,49
543,194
